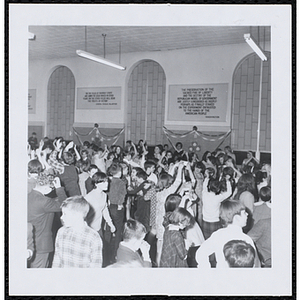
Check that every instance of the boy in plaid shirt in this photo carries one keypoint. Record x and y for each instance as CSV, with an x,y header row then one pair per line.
x,y
77,245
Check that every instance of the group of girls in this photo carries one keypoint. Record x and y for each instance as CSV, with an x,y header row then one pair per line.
x,y
173,193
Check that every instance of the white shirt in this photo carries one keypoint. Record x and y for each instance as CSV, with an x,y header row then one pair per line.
x,y
211,202
215,244
152,177
97,200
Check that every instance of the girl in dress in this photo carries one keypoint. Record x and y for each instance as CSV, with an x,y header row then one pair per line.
x,y
174,252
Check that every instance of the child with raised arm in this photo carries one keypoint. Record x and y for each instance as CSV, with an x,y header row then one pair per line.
x,y
77,245
41,211
99,158
166,185
211,199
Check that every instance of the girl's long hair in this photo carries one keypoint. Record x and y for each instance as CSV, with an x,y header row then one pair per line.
x,y
246,183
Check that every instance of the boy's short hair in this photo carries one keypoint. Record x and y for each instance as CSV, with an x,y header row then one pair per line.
x,y
133,229
114,169
91,167
211,172
172,202
77,204
260,176
228,209
148,164
239,254
35,166
179,144
99,177
214,186
265,193
228,171
141,174
86,143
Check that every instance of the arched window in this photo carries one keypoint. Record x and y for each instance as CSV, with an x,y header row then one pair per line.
x,y
246,87
60,103
146,103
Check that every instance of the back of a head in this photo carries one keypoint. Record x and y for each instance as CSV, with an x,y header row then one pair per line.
x,y
181,215
92,167
265,193
172,202
133,229
114,169
228,209
77,204
35,167
259,176
214,186
164,181
239,254
246,183
228,171
141,174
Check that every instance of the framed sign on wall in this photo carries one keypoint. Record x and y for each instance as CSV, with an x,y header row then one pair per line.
x,y
198,102
99,98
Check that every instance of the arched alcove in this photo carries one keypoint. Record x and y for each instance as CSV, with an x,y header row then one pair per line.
x,y
146,103
245,102
60,103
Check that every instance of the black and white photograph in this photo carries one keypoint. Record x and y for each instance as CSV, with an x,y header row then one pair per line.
x,y
150,150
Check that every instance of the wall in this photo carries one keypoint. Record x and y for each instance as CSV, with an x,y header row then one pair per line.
x,y
189,66
246,104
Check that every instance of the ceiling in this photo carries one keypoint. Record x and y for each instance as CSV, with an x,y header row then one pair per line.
x,y
56,42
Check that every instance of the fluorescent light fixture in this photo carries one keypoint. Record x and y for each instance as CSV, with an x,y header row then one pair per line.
x,y
254,46
31,36
99,59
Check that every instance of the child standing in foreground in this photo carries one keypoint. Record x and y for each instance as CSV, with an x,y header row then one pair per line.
x,y
174,252
116,196
76,245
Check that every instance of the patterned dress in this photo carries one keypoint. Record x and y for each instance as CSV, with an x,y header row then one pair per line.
x,y
174,253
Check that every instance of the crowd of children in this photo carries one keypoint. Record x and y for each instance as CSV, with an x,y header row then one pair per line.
x,y
132,207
